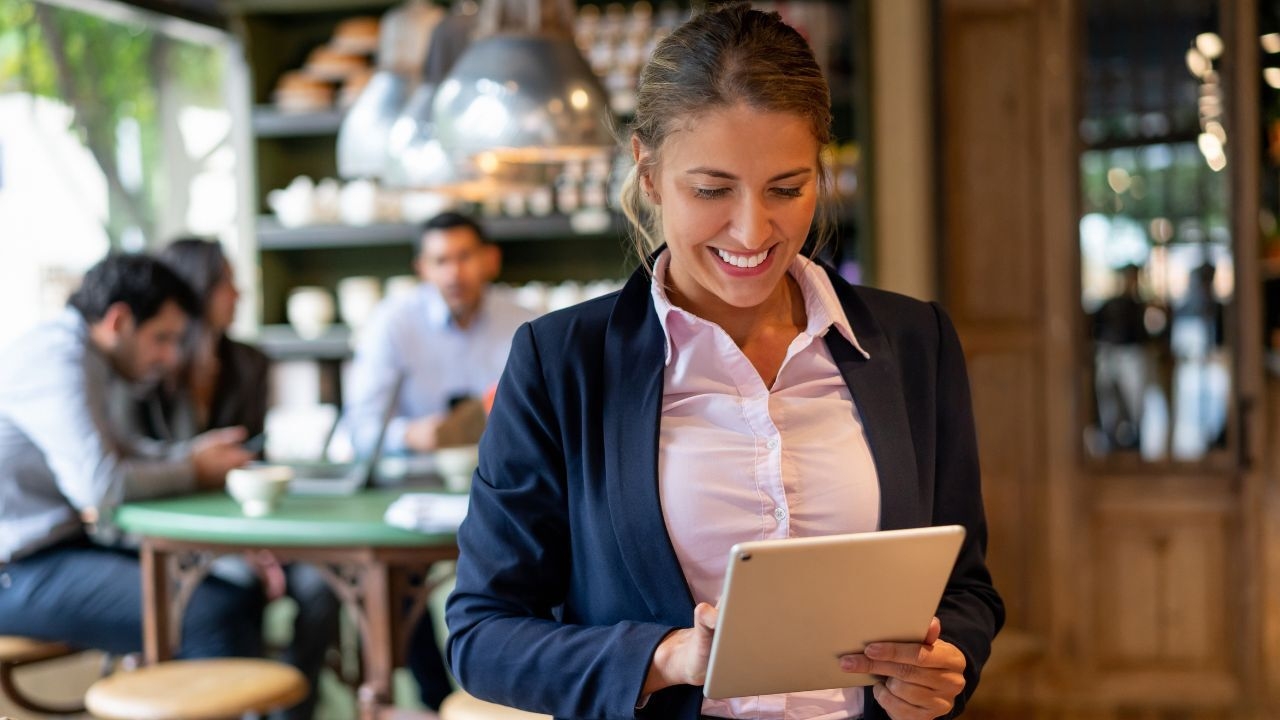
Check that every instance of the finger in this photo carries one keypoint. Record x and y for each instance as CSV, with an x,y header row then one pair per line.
x,y
234,434
935,630
236,457
896,707
931,698
941,654
947,682
863,664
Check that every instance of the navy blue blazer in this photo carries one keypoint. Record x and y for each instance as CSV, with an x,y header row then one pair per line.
x,y
567,580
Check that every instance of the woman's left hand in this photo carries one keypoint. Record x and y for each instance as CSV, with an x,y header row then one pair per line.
x,y
920,681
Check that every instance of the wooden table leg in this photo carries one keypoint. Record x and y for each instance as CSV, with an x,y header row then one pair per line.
x,y
157,644
379,649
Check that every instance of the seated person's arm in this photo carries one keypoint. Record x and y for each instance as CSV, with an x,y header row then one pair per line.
x,y
373,374
68,419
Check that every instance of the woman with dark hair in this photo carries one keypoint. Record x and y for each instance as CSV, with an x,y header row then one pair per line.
x,y
733,390
223,383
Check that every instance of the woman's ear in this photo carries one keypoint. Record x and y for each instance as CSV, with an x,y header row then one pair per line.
x,y
644,166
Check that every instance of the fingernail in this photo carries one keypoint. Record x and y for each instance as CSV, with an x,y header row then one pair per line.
x,y
874,650
853,663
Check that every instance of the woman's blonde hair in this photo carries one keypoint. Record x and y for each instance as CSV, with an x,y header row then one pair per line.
x,y
724,56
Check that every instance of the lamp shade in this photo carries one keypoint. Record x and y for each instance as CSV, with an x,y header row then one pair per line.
x,y
362,139
414,156
523,98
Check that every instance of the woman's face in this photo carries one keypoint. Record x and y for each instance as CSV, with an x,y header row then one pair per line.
x,y
220,309
737,189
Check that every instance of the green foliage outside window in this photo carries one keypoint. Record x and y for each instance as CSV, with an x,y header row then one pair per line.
x,y
110,74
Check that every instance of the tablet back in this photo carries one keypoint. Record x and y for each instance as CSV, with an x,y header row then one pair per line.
x,y
790,608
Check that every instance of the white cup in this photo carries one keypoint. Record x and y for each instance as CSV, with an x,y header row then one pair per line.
x,y
310,310
400,284
455,465
357,298
258,487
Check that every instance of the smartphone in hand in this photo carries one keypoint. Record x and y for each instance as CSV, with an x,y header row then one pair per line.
x,y
255,444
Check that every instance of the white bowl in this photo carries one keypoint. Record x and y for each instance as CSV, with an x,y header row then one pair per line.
x,y
456,465
258,487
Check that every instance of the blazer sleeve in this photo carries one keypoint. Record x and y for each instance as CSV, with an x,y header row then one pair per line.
x,y
971,611
506,641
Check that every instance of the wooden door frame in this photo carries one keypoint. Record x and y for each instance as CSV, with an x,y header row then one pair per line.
x,y
1072,495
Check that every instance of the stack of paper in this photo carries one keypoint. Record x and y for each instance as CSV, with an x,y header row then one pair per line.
x,y
427,512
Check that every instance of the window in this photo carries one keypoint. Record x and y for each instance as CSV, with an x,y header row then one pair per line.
x,y
1157,268
115,134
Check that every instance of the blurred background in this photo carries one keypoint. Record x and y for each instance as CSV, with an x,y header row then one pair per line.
x,y
1089,187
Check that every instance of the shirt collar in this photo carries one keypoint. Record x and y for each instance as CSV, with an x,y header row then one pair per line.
x,y
436,310
821,306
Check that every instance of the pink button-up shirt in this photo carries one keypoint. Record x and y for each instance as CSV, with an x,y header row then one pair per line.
x,y
740,461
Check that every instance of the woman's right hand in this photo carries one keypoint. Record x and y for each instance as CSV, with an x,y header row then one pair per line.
x,y
681,657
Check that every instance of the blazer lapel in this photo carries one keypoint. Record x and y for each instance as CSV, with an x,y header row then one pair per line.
x,y
876,385
634,361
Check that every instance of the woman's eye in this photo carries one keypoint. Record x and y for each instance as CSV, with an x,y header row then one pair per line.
x,y
710,193
788,192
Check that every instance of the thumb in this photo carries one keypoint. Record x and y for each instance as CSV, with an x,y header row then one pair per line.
x,y
935,630
706,616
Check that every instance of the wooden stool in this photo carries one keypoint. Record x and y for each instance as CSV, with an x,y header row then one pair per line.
x,y
221,689
461,706
18,651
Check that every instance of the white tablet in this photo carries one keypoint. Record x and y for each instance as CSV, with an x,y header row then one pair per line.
x,y
790,608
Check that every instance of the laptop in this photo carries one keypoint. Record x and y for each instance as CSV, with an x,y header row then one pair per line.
x,y
345,478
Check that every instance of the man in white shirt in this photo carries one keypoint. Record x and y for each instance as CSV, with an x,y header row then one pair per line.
x,y
65,465
449,338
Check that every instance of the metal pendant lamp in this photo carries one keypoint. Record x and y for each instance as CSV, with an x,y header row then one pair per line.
x,y
522,91
414,155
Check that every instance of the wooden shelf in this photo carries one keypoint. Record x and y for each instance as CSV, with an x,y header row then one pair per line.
x,y
282,342
269,122
273,236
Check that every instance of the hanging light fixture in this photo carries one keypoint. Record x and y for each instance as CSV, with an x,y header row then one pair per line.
x,y
363,136
522,91
415,157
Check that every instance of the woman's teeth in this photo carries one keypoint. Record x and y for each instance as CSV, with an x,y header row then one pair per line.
x,y
743,261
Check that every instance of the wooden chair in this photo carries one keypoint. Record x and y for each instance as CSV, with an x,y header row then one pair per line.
x,y
219,689
461,706
16,652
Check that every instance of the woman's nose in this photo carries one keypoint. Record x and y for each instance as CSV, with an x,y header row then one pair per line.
x,y
752,226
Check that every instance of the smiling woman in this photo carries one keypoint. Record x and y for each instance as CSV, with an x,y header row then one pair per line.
x,y
734,390
734,222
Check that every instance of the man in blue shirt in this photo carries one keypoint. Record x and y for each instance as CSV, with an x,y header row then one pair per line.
x,y
65,465
450,339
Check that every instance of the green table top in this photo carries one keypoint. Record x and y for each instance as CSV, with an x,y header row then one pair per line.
x,y
298,521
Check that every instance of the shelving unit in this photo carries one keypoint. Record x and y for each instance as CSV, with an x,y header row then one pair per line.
x,y
278,35
550,228
268,122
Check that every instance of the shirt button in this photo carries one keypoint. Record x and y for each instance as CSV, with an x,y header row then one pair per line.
x,y
780,514
772,444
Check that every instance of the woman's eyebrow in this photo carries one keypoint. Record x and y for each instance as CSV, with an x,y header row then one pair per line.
x,y
730,176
